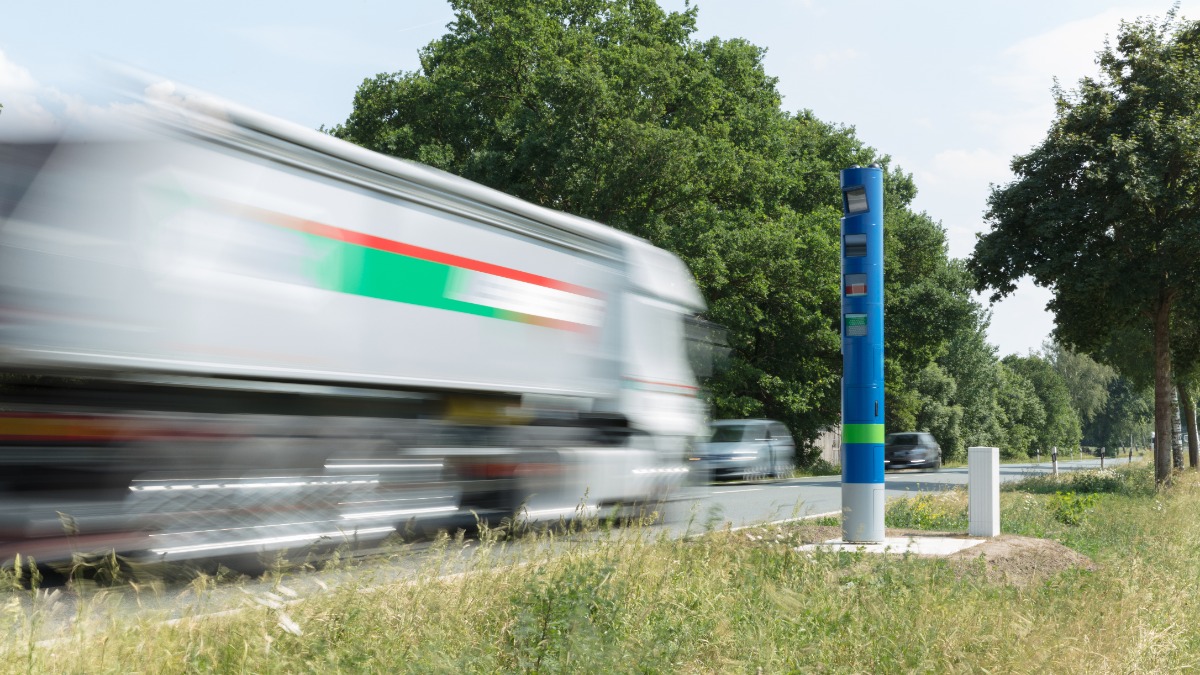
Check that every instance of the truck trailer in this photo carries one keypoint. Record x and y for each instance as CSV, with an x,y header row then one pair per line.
x,y
222,333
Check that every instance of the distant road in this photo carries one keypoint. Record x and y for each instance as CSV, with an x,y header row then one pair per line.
x,y
740,504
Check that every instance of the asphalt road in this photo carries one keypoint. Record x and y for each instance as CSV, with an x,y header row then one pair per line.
x,y
739,504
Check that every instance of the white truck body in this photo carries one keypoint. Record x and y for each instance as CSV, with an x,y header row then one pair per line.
x,y
212,243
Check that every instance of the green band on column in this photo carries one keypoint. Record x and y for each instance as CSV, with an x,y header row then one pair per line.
x,y
862,433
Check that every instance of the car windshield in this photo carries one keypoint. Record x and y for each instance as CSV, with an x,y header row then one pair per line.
x,y
902,439
729,433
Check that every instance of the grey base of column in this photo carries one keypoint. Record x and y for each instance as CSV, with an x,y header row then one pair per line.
x,y
862,513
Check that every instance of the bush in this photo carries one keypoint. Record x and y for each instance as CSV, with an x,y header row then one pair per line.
x,y
821,467
1125,480
1070,507
943,511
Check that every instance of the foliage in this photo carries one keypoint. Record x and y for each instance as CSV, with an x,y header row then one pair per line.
x,y
820,467
613,111
1022,416
1127,413
945,511
939,413
1087,381
1062,427
1136,480
971,361
1070,508
927,302
1104,211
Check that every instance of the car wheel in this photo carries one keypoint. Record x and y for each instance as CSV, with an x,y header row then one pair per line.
x,y
761,468
779,467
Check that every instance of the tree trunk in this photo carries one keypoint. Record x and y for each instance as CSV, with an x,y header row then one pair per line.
x,y
1177,429
1162,389
1188,406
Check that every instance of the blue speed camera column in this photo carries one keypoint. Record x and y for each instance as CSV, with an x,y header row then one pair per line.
x,y
862,354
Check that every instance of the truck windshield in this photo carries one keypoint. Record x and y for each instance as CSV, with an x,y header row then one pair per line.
x,y
707,346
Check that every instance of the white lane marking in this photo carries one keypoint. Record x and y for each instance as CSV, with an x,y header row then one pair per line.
x,y
723,492
788,520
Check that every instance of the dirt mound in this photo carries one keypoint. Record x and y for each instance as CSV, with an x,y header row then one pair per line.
x,y
1020,561
1007,559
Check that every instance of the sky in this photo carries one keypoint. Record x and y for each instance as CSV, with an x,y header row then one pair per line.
x,y
951,90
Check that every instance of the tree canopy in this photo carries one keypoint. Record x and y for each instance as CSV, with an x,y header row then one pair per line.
x,y
613,110
1104,211
1087,381
1062,427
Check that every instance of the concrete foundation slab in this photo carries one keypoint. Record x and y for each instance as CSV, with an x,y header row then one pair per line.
x,y
916,545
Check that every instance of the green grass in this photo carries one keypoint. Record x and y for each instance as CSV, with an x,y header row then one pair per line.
x,y
624,600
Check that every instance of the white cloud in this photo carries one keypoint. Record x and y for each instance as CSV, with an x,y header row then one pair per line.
x,y
973,167
24,112
1012,118
1067,52
957,183
1029,68
34,109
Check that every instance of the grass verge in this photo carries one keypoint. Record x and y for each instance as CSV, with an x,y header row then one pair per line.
x,y
624,600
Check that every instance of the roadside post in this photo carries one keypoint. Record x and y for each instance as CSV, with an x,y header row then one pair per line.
x,y
862,355
983,492
1054,458
1101,457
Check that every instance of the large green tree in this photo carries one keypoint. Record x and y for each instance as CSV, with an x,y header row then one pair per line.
x,y
1104,211
939,412
1086,379
612,110
1125,418
1021,413
1062,426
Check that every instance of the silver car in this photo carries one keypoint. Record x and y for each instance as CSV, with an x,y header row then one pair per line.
x,y
745,449
912,450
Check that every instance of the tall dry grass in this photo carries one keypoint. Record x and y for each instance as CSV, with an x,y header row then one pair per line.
x,y
627,600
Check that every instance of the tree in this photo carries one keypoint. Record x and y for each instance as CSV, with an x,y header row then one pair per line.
x,y
971,361
1104,211
1086,379
1021,413
1062,426
1187,410
1125,418
611,110
938,412
927,299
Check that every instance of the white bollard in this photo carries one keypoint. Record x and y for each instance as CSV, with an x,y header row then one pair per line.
x,y
983,491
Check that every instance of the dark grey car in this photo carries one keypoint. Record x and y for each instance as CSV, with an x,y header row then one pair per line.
x,y
746,449
912,450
